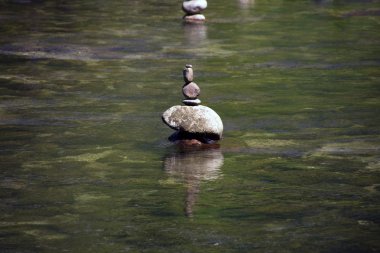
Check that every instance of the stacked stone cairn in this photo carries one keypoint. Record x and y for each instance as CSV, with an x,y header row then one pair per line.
x,y
194,123
190,89
193,9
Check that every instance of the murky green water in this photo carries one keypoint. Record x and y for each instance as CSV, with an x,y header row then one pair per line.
x,y
84,161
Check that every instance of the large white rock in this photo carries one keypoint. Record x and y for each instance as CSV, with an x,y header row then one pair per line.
x,y
194,119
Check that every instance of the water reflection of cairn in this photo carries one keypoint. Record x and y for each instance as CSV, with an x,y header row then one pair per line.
x,y
196,35
193,9
195,124
192,165
246,4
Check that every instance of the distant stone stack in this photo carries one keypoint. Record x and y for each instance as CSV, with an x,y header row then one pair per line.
x,y
195,124
193,9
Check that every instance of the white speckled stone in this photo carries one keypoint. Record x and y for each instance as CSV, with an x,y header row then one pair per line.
x,y
194,6
194,119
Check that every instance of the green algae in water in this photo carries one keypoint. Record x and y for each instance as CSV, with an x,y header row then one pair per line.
x,y
84,161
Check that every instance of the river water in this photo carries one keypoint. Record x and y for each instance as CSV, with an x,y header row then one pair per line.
x,y
84,158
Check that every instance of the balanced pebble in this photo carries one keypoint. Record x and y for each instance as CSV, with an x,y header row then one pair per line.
x,y
191,90
191,102
188,74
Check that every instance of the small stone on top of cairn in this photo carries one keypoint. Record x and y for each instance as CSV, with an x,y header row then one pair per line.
x,y
188,73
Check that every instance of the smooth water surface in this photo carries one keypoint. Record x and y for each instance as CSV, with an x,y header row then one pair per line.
x,y
84,159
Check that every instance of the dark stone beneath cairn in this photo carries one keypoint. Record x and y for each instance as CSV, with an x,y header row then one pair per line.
x,y
186,138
